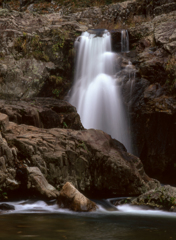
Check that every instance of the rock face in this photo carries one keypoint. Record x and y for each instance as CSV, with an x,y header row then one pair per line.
x,y
155,144
152,103
42,112
84,158
36,55
72,199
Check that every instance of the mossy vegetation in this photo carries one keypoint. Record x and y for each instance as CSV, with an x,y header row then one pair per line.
x,y
31,46
40,49
3,195
60,39
171,74
81,144
56,79
56,92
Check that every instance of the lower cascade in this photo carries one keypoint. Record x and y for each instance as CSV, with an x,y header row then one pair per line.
x,y
96,92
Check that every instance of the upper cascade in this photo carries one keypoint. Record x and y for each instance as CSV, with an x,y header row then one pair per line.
x,y
96,93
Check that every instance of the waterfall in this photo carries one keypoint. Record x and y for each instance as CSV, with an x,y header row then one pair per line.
x,y
95,92
124,41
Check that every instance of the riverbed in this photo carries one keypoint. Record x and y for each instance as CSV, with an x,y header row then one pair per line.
x,y
37,220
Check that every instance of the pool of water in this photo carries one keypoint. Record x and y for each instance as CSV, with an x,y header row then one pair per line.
x,y
40,221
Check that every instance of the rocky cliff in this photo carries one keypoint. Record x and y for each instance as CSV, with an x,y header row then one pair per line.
x,y
31,156
36,59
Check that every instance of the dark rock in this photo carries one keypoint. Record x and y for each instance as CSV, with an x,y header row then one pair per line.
x,y
6,207
153,115
152,65
42,112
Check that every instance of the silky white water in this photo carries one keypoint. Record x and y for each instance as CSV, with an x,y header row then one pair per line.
x,y
42,207
95,93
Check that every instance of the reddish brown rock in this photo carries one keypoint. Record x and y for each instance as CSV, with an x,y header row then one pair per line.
x,y
95,163
38,182
72,199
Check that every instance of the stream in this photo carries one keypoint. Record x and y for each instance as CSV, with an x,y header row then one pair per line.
x,y
37,220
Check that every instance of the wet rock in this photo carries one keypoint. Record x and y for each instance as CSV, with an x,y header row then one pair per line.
x,y
6,207
72,199
163,197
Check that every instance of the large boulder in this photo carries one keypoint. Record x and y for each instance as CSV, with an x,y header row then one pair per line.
x,y
72,199
6,207
94,162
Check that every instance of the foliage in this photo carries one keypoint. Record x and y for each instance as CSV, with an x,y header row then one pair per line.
x,y
167,202
65,125
83,145
171,73
31,46
60,37
3,195
56,92
56,79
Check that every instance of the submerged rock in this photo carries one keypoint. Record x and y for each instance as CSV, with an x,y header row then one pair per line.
x,y
72,199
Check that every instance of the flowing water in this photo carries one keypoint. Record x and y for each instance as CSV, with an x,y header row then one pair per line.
x,y
124,41
39,221
95,93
